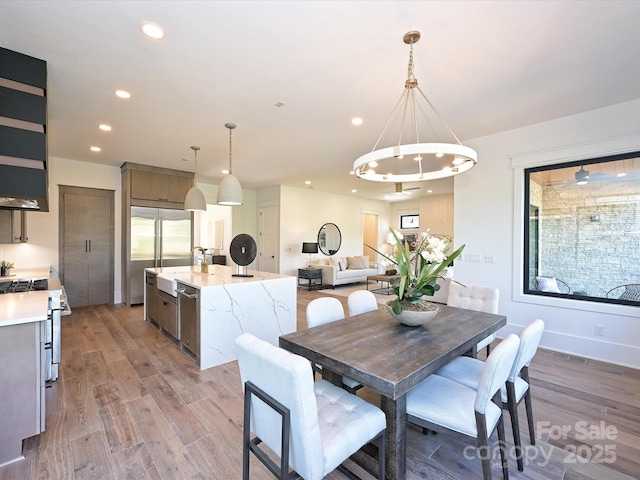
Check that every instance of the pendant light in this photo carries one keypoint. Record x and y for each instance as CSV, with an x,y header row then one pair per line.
x,y
230,191
412,162
194,201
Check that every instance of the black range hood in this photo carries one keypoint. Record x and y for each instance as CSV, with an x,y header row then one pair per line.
x,y
23,136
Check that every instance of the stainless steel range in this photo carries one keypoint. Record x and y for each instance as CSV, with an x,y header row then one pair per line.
x,y
56,308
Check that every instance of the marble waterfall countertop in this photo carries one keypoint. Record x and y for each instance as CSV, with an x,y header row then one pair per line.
x,y
218,275
264,305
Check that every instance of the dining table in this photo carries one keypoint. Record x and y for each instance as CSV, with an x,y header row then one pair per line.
x,y
391,358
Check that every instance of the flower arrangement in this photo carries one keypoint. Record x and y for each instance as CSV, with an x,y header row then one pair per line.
x,y
4,268
418,268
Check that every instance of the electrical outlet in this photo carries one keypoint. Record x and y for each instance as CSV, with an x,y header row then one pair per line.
x,y
599,330
488,258
472,257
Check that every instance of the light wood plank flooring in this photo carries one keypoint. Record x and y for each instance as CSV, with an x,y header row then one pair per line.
x,y
130,404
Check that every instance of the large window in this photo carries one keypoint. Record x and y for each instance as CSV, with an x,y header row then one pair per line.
x,y
582,230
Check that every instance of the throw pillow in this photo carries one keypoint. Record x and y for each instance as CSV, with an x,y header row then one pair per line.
x,y
354,263
365,261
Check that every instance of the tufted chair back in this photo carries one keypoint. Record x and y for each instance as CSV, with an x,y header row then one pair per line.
x,y
287,378
324,310
472,297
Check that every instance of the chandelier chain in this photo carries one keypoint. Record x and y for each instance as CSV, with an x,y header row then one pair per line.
x,y
230,152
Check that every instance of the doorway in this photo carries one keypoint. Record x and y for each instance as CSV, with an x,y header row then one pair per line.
x,y
370,235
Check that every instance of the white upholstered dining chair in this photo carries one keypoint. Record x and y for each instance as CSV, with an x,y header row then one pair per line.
x,y
361,301
325,310
467,371
439,403
473,297
313,427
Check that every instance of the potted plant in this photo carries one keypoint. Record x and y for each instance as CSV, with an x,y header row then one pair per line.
x,y
418,271
5,268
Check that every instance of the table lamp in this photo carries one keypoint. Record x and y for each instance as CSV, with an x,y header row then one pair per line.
x,y
309,248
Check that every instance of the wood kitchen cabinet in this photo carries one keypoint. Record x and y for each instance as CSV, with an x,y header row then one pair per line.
x,y
13,226
168,314
151,298
22,376
147,186
86,245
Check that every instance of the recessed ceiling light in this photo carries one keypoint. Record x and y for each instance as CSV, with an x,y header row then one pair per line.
x,y
152,30
429,191
307,182
356,121
123,94
622,174
225,172
352,172
104,127
354,191
95,149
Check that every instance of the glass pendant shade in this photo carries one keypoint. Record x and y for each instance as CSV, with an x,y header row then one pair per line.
x,y
195,200
230,191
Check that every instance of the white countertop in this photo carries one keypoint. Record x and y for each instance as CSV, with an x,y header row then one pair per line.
x,y
218,275
25,307
17,308
34,273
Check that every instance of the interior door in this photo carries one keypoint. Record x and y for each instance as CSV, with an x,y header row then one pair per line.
x,y
268,248
370,235
87,245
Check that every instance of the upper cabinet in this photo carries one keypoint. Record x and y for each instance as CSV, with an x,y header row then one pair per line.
x,y
23,132
147,186
13,226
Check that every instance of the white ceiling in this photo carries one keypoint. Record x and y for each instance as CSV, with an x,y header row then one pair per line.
x,y
488,66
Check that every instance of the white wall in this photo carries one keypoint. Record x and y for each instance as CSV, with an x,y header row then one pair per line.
x,y
488,219
304,211
42,227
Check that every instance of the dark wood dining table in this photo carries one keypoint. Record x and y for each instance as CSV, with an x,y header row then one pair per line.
x,y
390,358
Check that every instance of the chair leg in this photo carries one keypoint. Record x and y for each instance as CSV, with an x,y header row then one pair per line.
x,y
381,455
502,445
529,407
488,349
512,406
483,445
246,433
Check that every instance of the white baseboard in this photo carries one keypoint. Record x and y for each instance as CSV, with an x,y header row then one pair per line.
x,y
601,350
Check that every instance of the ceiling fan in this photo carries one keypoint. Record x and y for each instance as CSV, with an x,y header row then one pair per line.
x,y
407,191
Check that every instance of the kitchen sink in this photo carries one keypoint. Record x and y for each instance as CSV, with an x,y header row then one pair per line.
x,y
167,284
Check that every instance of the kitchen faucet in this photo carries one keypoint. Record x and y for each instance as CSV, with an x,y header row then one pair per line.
x,y
204,268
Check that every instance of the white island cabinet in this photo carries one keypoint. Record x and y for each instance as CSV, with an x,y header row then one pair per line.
x,y
264,305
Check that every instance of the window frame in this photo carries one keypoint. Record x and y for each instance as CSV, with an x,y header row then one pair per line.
x,y
527,282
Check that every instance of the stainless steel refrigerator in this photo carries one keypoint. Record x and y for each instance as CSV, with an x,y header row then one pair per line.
x,y
160,237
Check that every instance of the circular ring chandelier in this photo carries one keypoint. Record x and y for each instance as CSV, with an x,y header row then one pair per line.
x,y
416,161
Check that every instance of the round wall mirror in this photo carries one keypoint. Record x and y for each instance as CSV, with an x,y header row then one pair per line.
x,y
329,239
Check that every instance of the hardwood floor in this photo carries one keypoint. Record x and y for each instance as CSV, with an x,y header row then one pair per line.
x,y
130,404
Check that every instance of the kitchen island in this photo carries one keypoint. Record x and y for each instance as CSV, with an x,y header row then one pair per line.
x,y
224,307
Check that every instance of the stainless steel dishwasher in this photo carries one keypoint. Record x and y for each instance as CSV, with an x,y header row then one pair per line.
x,y
189,317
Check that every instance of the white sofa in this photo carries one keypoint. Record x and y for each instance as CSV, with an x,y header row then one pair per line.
x,y
342,270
